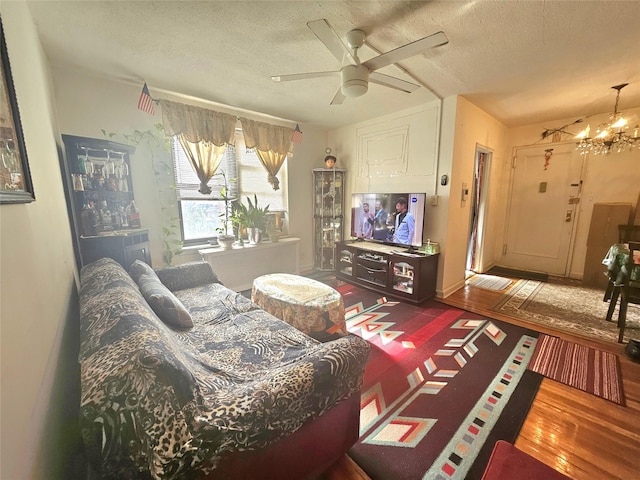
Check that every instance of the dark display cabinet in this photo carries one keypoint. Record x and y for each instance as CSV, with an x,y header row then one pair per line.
x,y
99,189
389,270
328,214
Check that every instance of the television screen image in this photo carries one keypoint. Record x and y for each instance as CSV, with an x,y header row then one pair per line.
x,y
393,218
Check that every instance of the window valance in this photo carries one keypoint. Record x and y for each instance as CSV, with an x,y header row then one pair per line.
x,y
198,124
272,144
266,137
204,135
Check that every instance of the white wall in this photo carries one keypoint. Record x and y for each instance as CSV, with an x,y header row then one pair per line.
x,y
88,104
38,305
393,153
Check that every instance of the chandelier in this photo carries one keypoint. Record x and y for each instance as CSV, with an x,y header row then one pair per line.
x,y
611,136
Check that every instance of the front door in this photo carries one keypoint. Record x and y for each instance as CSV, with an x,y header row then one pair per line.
x,y
544,198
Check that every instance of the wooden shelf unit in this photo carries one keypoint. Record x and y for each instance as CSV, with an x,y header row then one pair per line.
x,y
387,269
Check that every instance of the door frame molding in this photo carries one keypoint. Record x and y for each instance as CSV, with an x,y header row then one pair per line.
x,y
484,208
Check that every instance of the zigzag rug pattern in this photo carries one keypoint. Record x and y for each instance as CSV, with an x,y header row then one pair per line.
x,y
437,384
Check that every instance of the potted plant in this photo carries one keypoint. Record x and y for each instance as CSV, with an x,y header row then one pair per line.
x,y
253,217
225,239
239,216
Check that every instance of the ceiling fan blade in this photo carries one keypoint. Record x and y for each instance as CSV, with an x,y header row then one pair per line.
x,y
393,82
331,40
406,51
302,76
338,98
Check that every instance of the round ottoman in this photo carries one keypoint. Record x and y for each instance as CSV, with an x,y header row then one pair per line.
x,y
312,307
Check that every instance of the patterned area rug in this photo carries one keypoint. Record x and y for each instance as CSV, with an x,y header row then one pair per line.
x,y
441,387
587,369
566,305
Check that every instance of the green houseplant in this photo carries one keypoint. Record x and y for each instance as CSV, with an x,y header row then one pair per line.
x,y
226,239
252,217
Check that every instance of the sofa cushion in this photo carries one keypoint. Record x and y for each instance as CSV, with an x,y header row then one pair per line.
x,y
187,275
164,303
138,268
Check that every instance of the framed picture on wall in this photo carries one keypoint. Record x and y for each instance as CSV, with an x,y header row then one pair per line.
x,y
15,178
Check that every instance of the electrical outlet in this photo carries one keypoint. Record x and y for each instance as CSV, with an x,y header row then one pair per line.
x,y
434,200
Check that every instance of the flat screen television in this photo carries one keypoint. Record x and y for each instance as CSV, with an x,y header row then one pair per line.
x,y
381,217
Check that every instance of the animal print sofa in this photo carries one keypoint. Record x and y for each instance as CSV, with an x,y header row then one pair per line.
x,y
210,386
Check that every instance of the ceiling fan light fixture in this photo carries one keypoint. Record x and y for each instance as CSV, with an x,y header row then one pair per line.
x,y
355,80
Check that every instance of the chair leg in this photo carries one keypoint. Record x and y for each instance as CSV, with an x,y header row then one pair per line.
x,y
608,292
622,319
612,303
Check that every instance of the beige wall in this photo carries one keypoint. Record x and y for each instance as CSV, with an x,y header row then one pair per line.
x,y
473,129
88,104
606,178
38,304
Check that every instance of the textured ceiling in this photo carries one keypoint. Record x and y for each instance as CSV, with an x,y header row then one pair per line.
x,y
522,62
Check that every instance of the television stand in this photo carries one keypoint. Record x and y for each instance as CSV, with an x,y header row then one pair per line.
x,y
385,269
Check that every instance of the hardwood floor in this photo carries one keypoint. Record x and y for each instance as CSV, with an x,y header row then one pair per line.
x,y
578,434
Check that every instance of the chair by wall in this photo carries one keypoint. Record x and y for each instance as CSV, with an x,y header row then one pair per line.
x,y
630,288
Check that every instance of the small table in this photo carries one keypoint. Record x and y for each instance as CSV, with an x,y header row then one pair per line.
x,y
312,307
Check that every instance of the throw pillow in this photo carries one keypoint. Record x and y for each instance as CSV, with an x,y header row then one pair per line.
x,y
164,303
138,268
187,275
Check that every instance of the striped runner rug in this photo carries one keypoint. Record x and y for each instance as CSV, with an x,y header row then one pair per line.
x,y
489,282
587,369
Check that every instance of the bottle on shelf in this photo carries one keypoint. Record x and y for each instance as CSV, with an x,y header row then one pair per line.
x,y
105,216
124,221
133,215
116,219
89,220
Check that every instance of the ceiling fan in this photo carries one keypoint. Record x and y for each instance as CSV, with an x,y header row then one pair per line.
x,y
355,76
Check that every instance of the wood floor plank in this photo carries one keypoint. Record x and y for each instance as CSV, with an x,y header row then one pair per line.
x,y
578,434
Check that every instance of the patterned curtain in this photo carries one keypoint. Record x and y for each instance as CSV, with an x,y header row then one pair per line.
x,y
272,144
204,136
204,158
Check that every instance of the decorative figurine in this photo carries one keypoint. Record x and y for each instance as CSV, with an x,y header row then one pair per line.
x,y
330,161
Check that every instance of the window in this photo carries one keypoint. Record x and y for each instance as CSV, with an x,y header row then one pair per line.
x,y
201,215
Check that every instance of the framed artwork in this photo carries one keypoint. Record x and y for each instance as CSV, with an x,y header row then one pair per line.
x,y
15,179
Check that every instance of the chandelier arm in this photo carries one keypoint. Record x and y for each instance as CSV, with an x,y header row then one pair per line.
x,y
611,136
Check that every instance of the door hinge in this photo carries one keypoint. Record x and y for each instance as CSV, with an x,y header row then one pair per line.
x,y
504,249
514,160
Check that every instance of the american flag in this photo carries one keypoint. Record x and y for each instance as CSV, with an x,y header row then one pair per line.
x,y
145,103
296,136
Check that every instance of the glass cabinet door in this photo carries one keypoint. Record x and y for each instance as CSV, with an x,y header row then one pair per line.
x,y
345,262
328,191
403,277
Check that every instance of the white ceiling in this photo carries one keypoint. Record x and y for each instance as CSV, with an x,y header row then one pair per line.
x,y
522,62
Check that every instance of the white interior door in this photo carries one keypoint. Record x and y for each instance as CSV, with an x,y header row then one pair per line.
x,y
544,196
